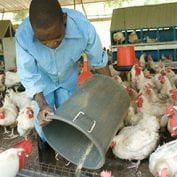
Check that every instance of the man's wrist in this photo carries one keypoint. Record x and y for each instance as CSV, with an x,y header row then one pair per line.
x,y
40,99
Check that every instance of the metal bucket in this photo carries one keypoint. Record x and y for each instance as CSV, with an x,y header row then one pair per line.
x,y
88,119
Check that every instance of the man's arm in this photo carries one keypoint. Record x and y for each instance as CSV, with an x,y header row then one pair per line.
x,y
28,71
39,98
31,79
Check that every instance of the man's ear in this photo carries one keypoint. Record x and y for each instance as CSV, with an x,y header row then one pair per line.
x,y
64,18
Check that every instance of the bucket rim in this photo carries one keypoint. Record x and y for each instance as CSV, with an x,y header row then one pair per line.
x,y
101,163
125,45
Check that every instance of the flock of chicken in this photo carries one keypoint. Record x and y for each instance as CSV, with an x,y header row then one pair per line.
x,y
152,113
16,111
119,38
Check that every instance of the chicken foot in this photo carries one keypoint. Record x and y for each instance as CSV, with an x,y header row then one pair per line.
x,y
12,135
6,131
135,164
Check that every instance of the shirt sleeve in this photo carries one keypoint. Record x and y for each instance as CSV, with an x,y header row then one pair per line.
x,y
28,71
97,57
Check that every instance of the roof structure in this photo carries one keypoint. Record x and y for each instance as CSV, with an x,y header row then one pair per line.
x,y
151,16
16,5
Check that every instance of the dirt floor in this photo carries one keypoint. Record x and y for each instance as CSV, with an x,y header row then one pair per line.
x,y
118,167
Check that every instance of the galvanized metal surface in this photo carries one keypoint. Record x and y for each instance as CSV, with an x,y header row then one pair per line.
x,y
162,15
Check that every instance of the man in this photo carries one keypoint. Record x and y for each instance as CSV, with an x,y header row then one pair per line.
x,y
48,45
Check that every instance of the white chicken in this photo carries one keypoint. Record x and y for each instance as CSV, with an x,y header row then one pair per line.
x,y
140,80
137,142
8,115
144,106
133,37
119,37
150,40
142,61
171,76
11,79
132,118
151,94
162,162
13,159
18,98
152,66
25,121
173,96
166,87
171,112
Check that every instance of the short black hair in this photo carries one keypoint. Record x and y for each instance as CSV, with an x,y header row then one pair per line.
x,y
44,13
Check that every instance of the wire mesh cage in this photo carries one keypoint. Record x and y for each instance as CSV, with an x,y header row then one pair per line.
x,y
45,170
35,169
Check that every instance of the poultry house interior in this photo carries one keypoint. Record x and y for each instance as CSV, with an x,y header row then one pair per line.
x,y
144,143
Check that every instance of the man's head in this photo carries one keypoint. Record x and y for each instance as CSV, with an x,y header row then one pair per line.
x,y
48,21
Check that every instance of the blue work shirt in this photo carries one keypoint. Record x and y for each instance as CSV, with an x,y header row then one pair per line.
x,y
42,69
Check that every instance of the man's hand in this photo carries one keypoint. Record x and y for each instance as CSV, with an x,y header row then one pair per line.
x,y
43,113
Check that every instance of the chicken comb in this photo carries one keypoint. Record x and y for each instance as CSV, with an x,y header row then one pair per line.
x,y
169,108
29,112
173,94
173,124
161,79
27,146
106,173
139,100
2,113
137,70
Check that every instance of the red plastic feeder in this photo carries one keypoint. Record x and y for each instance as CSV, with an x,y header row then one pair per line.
x,y
86,74
125,58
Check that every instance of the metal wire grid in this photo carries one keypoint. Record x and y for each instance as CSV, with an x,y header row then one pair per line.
x,y
45,170
36,169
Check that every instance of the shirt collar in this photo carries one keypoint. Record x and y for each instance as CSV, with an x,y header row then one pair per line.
x,y
72,30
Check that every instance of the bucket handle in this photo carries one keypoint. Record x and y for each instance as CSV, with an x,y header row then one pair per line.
x,y
82,113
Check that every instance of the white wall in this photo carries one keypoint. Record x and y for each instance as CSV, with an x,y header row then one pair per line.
x,y
103,30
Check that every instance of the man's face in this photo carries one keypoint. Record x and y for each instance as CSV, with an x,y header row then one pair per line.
x,y
52,36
